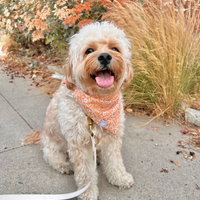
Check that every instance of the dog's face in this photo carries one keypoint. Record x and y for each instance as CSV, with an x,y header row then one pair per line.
x,y
99,59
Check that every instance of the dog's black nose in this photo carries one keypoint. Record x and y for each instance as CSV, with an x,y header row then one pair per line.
x,y
105,59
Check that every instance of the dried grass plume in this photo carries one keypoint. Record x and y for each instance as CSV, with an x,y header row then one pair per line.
x,y
166,55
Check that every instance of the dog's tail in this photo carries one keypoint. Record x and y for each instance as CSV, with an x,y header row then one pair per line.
x,y
33,138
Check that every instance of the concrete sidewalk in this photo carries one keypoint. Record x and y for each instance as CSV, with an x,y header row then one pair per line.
x,y
23,170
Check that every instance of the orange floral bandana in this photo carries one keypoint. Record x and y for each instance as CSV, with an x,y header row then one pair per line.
x,y
103,110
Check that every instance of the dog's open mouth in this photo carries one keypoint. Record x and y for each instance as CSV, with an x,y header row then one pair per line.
x,y
104,78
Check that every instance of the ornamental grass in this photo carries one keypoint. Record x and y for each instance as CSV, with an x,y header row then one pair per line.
x,y
166,53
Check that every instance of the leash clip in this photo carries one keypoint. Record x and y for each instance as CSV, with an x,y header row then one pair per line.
x,y
90,126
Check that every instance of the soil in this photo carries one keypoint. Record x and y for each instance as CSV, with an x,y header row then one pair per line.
x,y
16,67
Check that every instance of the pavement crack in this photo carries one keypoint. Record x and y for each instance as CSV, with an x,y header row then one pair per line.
x,y
11,149
17,112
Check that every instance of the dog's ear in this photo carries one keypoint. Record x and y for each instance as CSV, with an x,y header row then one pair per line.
x,y
70,83
129,74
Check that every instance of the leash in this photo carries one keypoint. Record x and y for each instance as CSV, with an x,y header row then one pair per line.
x,y
57,196
93,142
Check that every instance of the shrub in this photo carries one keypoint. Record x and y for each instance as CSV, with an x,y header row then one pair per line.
x,y
52,21
166,55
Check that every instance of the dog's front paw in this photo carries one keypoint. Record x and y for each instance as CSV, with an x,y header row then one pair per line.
x,y
90,194
64,169
126,181
123,181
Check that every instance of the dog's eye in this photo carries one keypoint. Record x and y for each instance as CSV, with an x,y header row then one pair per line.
x,y
115,49
89,51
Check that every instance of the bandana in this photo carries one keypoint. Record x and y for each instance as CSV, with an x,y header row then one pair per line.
x,y
103,110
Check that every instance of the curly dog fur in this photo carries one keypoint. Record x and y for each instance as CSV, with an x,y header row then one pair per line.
x,y
65,137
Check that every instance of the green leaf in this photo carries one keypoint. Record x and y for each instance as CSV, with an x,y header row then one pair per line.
x,y
55,42
61,47
59,32
47,40
72,31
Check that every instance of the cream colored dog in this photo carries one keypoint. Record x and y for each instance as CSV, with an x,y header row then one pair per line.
x,y
98,64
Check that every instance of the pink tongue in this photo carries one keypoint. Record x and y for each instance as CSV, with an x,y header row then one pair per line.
x,y
104,79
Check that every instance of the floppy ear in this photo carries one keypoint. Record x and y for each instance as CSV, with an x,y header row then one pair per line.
x,y
129,74
70,83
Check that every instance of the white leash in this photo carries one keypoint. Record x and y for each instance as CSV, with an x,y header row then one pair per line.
x,y
94,152
47,197
54,196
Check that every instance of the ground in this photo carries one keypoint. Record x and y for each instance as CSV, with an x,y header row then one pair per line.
x,y
149,153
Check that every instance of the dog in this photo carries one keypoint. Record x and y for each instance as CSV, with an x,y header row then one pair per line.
x,y
97,69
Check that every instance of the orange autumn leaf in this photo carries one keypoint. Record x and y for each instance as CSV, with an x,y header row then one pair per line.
x,y
88,6
71,19
79,8
85,22
177,164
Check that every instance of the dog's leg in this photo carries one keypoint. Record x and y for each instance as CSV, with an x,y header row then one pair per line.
x,y
56,156
112,162
82,158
